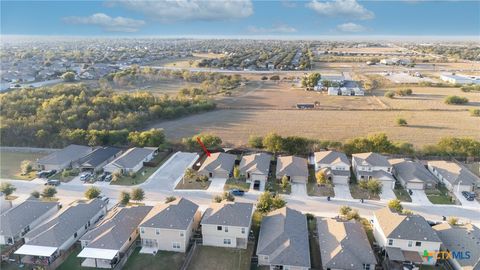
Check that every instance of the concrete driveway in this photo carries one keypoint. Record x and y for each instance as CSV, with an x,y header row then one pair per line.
x,y
170,173
299,190
419,197
464,202
217,184
387,194
342,192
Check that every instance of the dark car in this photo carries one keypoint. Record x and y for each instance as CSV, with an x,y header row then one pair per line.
x,y
470,196
46,174
237,192
108,178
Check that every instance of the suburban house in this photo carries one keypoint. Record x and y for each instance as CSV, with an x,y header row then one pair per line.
x,y
98,158
335,165
63,158
18,221
131,161
460,239
283,240
455,176
227,224
169,226
344,245
372,165
405,238
295,168
106,244
256,168
218,165
52,239
413,175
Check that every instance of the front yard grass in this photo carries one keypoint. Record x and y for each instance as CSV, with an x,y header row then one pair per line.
x,y
273,184
233,183
144,173
436,196
218,258
402,194
358,193
162,260
10,164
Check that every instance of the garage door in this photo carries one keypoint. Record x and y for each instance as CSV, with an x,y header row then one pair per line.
x,y
340,180
389,184
414,185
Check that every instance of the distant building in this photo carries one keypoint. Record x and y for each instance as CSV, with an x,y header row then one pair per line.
x,y
455,176
335,165
460,79
413,175
64,158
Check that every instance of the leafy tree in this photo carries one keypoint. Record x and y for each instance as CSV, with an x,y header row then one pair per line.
x,y
35,194
170,199
49,192
395,205
321,178
344,210
353,215
152,138
92,192
210,141
401,122
278,202
374,187
255,142
190,174
68,76
295,145
124,198
228,196
137,194
311,80
363,184
26,167
453,221
264,78
218,199
275,78
284,184
7,188
273,142
268,202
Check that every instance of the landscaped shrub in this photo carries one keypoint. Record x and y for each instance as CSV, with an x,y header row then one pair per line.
x,y
475,112
389,94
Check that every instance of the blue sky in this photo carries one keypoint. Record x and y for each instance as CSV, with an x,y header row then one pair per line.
x,y
240,18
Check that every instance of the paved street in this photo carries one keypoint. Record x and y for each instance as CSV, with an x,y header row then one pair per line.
x,y
465,202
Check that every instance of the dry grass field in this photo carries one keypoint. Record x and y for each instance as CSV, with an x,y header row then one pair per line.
x,y
167,86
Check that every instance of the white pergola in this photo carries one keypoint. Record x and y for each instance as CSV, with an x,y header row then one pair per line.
x,y
41,251
97,257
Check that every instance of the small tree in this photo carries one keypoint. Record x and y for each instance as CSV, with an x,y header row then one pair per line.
x,y
236,172
264,78
374,187
116,176
344,210
275,78
389,94
285,184
228,196
190,174
170,199
255,142
453,221
321,178
7,188
35,194
124,198
401,122
363,184
278,202
92,192
49,192
267,202
456,100
138,194
407,212
26,167
395,205
68,76
218,199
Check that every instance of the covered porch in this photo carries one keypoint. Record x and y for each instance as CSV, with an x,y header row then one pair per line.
x,y
37,255
99,258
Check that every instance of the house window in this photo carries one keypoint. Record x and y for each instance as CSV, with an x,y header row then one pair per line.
x,y
85,226
182,234
243,230
366,266
219,228
176,245
142,230
75,235
418,244
410,243
226,229
157,231
390,242
227,241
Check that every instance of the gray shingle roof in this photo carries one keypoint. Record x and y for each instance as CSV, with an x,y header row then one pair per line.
x,y
217,161
259,162
343,245
132,157
284,238
292,166
57,230
70,153
99,156
16,219
454,172
113,232
372,159
406,227
413,171
174,215
329,157
229,214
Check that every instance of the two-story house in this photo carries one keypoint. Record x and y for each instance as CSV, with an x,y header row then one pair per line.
x,y
405,238
169,226
335,165
227,224
454,176
372,165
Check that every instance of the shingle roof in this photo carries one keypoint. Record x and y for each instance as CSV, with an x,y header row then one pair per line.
x,y
57,230
132,157
13,221
174,215
228,213
372,159
330,157
70,153
292,166
454,172
343,244
406,227
284,238
413,171
259,162
99,156
461,238
217,161
114,231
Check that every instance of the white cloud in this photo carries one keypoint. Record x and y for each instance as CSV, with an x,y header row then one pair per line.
x,y
107,23
282,28
351,27
183,10
350,9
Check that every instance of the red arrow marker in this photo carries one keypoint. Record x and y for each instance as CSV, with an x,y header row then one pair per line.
x,y
203,146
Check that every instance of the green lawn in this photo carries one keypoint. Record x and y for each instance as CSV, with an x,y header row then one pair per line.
x,y
313,189
10,164
402,194
439,196
73,262
144,173
273,184
162,260
236,183
217,258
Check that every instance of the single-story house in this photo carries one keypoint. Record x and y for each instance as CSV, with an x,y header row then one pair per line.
x,y
105,244
256,168
131,161
295,168
464,241
169,226
99,158
50,240
4,203
460,79
413,175
454,175
218,165
18,221
344,245
227,224
372,165
283,240
63,158
336,166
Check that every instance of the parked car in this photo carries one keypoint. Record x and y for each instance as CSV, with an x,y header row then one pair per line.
x,y
52,182
103,176
85,176
108,178
470,196
103,198
46,174
237,192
